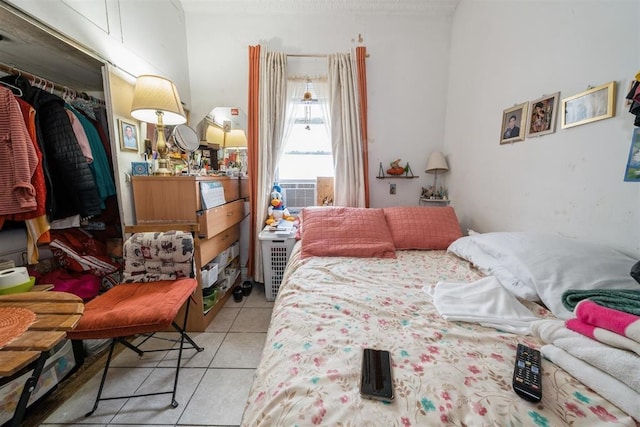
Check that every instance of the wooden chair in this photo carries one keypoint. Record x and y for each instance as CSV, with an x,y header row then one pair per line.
x,y
158,280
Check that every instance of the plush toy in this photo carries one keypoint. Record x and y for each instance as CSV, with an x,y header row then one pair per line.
x,y
277,210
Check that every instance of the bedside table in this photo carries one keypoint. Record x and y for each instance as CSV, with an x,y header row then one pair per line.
x,y
435,203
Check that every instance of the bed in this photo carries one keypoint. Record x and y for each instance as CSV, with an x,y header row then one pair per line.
x,y
346,288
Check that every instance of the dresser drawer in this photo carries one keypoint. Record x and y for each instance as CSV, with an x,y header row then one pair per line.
x,y
209,248
215,220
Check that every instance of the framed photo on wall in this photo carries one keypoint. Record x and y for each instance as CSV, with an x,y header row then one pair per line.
x,y
593,104
632,172
129,136
514,120
541,119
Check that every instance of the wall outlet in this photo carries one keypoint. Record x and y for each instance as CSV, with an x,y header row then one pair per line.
x,y
392,188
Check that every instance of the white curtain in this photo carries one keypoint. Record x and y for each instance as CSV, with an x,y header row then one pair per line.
x,y
273,101
295,91
346,136
322,92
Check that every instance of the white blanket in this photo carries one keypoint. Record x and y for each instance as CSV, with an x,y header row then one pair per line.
x,y
620,364
485,302
608,387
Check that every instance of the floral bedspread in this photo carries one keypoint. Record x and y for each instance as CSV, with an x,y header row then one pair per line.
x,y
329,309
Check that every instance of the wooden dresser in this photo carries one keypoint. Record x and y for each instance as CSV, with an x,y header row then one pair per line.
x,y
177,199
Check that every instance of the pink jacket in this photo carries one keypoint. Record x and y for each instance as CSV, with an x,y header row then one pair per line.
x,y
18,158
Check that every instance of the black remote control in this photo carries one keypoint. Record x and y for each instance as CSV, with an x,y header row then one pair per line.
x,y
527,379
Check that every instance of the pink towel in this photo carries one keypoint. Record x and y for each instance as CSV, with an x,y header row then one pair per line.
x,y
625,324
603,335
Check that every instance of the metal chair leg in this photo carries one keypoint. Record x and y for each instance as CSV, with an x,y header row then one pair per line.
x,y
104,377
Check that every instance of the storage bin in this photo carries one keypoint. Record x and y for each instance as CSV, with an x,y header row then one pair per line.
x,y
235,250
55,369
210,300
222,259
275,255
209,274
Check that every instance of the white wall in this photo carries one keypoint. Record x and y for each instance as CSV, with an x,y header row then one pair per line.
x,y
406,71
570,182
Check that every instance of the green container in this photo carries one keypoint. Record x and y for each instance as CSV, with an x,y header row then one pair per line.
x,y
210,300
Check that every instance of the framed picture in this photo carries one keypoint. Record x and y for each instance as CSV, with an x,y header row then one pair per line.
x,y
589,106
129,136
632,172
514,120
541,119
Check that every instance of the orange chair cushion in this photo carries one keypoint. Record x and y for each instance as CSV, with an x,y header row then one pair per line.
x,y
134,308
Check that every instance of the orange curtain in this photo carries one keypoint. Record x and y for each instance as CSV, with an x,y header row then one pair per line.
x,y
361,55
252,147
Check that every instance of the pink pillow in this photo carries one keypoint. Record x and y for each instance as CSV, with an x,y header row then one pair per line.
x,y
418,227
346,232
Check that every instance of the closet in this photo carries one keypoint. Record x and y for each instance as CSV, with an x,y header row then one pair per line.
x,y
34,59
38,66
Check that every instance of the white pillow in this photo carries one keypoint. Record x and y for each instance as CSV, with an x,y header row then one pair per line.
x,y
509,275
551,265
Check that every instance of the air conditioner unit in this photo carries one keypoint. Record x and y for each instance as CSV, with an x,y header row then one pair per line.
x,y
298,195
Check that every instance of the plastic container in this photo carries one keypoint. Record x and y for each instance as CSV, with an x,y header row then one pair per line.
x,y
275,255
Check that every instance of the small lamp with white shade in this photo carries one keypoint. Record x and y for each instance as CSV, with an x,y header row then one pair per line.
x,y
156,100
436,164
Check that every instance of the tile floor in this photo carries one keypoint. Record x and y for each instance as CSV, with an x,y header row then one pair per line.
x,y
212,387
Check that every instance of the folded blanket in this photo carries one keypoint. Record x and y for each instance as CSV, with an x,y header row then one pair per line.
x,y
603,335
620,364
619,299
622,323
485,302
605,385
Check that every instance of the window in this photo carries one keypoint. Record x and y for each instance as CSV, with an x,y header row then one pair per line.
x,y
307,152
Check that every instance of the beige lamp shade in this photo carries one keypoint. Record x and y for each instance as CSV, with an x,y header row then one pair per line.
x,y
437,163
215,135
153,94
235,138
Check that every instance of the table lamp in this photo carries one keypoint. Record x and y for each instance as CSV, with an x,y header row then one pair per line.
x,y
436,164
237,139
156,100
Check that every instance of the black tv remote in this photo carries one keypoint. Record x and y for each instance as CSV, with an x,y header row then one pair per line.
x,y
527,374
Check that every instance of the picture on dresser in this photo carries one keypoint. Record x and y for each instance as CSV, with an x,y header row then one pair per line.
x,y
514,120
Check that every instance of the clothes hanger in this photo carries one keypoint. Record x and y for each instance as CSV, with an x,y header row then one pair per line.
x,y
16,90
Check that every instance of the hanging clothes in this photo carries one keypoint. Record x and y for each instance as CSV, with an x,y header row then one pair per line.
x,y
36,222
81,135
18,160
100,165
71,188
634,97
102,126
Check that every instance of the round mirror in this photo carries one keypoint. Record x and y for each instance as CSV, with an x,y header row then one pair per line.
x,y
186,138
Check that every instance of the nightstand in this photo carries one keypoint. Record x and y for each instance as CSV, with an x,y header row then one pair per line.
x,y
435,203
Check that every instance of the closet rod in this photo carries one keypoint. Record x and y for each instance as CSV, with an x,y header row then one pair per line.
x,y
60,88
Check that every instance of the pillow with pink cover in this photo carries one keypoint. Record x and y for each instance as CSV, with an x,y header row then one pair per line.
x,y
346,232
419,227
